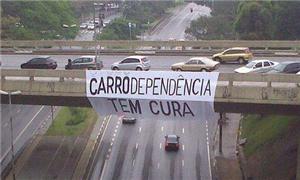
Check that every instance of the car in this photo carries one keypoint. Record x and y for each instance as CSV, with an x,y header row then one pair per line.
x,y
239,54
172,142
298,72
43,62
128,120
196,64
85,62
91,27
289,67
138,63
257,66
83,26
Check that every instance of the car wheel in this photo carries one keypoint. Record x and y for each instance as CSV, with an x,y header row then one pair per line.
x,y
203,70
241,60
115,68
139,69
219,60
178,69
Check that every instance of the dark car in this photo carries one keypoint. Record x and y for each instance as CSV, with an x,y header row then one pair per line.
x,y
171,143
289,67
128,120
85,62
40,63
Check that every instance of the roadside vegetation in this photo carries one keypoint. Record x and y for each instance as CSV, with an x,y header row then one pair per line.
x,y
72,121
140,14
35,20
271,147
249,20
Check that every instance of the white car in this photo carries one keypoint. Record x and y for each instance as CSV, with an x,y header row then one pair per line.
x,y
83,26
91,27
298,72
257,66
138,63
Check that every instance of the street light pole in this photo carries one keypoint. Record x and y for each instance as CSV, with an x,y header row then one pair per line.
x,y
11,129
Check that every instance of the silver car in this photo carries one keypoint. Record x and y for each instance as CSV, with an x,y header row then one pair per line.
x,y
85,62
138,63
257,66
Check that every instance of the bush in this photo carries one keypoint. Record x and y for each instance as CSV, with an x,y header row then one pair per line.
x,y
77,116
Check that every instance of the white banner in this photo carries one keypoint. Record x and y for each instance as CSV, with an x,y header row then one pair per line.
x,y
153,109
152,94
158,85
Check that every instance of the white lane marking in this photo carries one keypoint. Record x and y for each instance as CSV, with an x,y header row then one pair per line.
x,y
158,165
182,130
136,145
109,150
183,147
182,162
114,134
208,154
159,145
162,128
116,130
133,162
21,133
140,129
118,122
112,139
117,126
111,143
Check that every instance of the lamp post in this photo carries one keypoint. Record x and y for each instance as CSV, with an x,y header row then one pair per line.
x,y
11,128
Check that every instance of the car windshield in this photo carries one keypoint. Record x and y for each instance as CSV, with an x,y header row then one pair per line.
x,y
280,67
250,65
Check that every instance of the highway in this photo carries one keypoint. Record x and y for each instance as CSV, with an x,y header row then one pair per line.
x,y
134,151
27,121
174,26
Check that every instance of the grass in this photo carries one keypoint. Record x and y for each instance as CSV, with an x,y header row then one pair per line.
x,y
260,131
72,121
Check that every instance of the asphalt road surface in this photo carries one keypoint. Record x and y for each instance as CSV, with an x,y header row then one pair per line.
x,y
157,62
27,121
174,26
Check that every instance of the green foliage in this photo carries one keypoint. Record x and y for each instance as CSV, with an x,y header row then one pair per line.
x,y
250,20
119,29
77,116
254,20
217,26
139,13
38,19
143,11
287,20
81,119
262,130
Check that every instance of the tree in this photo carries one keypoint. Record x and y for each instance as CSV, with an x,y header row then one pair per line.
x,y
287,20
254,20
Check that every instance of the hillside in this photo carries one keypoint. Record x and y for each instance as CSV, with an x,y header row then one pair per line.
x,y
29,20
272,145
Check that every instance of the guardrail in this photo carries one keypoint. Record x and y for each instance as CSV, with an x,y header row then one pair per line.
x,y
294,45
234,93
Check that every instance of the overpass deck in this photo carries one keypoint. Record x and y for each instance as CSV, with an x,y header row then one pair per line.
x,y
240,93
